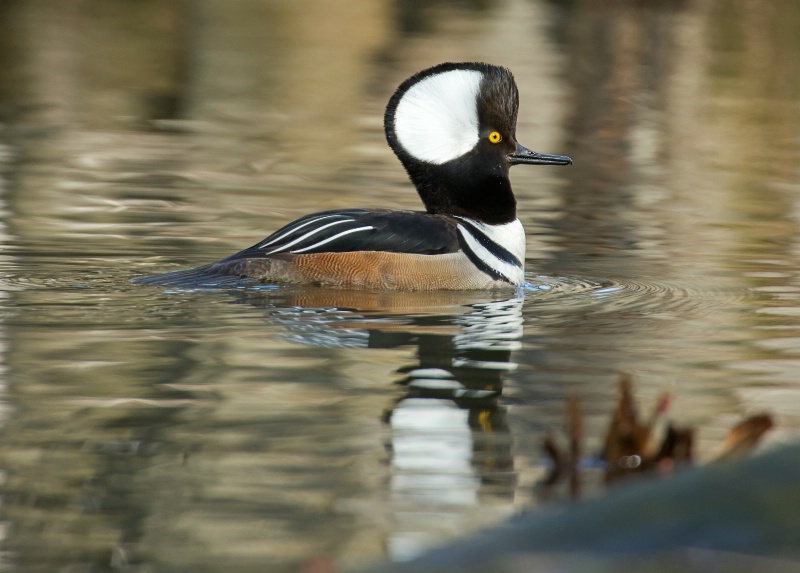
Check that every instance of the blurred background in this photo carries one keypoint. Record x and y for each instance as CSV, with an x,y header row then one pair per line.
x,y
153,430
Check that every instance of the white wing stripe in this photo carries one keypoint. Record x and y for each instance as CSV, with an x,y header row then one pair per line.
x,y
292,230
329,239
307,235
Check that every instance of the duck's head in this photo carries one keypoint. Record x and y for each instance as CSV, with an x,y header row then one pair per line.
x,y
453,127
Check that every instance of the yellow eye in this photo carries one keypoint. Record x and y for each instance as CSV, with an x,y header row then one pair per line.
x,y
495,137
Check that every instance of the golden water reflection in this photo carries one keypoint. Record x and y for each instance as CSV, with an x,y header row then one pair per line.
x,y
252,430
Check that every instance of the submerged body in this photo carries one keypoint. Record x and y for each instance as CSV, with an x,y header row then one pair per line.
x,y
453,128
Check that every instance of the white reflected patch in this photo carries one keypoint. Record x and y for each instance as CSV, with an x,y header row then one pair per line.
x,y
437,118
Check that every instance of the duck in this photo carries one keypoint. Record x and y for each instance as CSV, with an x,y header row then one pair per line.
x,y
453,128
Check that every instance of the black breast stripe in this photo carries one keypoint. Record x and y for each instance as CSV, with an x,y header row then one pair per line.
x,y
479,262
498,251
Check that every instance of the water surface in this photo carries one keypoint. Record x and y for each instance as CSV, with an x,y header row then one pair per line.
x,y
255,428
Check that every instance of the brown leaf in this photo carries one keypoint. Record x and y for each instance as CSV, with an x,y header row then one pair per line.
x,y
744,436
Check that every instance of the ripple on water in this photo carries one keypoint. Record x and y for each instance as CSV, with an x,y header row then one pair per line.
x,y
547,286
606,295
565,292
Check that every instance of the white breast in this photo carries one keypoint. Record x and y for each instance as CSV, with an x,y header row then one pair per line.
x,y
509,236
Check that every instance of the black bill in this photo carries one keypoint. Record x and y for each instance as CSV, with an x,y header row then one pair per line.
x,y
523,155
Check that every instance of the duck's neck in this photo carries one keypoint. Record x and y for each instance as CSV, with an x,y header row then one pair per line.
x,y
480,195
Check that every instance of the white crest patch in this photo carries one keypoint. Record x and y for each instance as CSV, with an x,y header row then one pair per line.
x,y
436,120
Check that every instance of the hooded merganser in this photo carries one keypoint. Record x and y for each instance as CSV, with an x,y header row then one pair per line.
x,y
453,127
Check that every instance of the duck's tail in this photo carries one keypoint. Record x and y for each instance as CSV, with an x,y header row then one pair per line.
x,y
207,276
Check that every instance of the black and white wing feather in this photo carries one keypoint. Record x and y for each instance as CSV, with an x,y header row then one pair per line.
x,y
329,232
359,230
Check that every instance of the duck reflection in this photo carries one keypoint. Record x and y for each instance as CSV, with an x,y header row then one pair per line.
x,y
448,440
